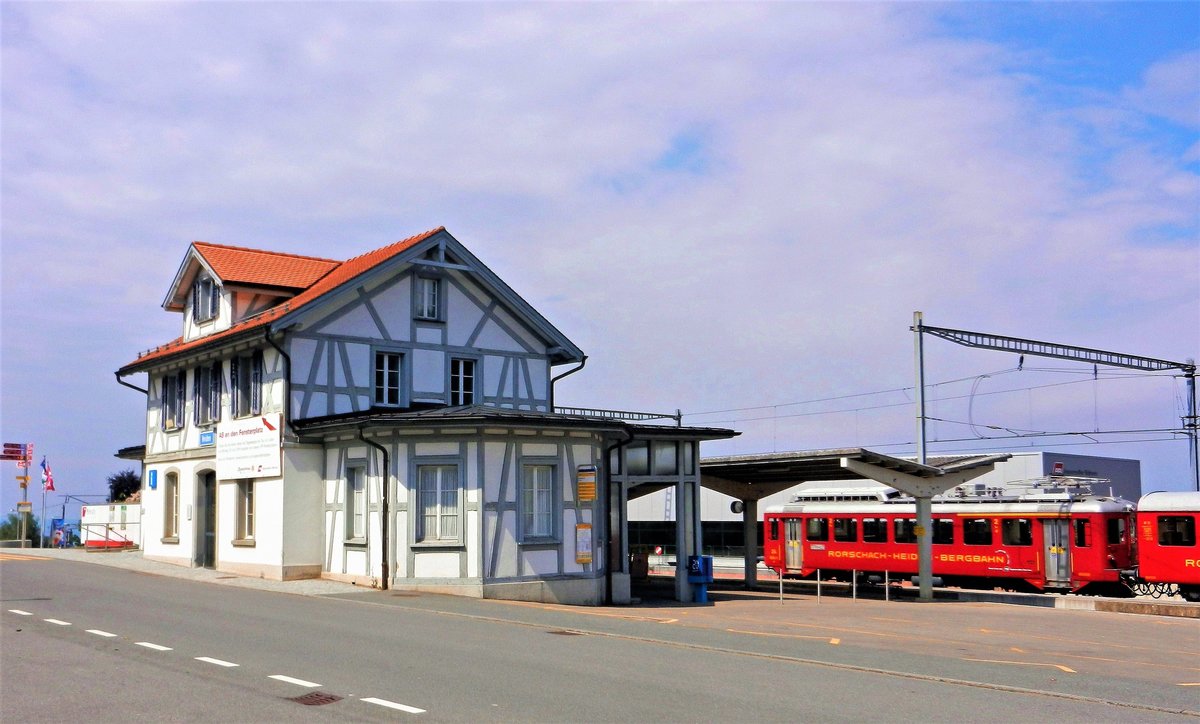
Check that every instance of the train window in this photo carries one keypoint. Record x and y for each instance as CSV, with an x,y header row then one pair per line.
x,y
1083,533
1116,531
904,530
845,530
943,531
875,530
774,529
817,529
1176,530
1016,532
977,531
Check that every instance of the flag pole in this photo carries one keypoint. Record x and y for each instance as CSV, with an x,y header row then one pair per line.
x,y
42,530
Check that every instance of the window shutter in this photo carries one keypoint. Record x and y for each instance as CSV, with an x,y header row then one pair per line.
x,y
197,396
256,382
214,299
196,300
216,386
235,388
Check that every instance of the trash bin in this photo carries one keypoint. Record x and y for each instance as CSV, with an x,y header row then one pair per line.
x,y
639,566
700,572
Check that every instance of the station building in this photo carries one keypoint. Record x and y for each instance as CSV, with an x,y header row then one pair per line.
x,y
389,420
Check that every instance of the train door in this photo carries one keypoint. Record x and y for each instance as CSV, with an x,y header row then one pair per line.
x,y
1056,539
793,552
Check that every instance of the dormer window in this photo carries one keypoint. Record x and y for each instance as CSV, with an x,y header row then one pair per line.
x,y
429,298
206,299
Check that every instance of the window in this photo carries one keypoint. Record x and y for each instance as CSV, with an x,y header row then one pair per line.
x,y
943,531
206,394
1017,532
845,530
816,529
462,381
537,502
245,510
904,530
171,507
665,458
429,298
438,504
206,299
977,531
1176,530
637,458
173,399
774,529
356,502
387,378
1116,531
874,530
245,381
1083,532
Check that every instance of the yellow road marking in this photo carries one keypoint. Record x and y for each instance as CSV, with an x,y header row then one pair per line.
x,y
1060,667
1019,651
19,557
1102,644
832,641
1194,683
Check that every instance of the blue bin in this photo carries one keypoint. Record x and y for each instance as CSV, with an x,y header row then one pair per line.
x,y
700,569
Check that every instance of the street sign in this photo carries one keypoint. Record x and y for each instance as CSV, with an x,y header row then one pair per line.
x,y
25,506
14,446
23,478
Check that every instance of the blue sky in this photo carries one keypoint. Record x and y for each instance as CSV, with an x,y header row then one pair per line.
x,y
726,206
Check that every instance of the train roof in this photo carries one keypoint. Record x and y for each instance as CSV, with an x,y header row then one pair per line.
x,y
1088,504
1165,501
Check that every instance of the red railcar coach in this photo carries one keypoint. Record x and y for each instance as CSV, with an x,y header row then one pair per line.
x,y
1168,550
1061,541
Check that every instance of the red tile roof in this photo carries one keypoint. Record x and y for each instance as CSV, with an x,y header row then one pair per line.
x,y
238,265
340,274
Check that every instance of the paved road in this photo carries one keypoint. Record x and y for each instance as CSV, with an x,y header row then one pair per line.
x,y
107,644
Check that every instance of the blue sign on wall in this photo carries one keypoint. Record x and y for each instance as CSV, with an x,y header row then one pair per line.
x,y
208,438
153,479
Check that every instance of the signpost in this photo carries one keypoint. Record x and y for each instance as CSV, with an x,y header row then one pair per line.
x,y
22,454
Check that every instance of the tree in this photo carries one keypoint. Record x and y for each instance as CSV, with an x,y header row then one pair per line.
x,y
10,529
122,485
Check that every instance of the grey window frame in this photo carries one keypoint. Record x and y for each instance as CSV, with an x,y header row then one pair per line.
x,y
421,304
206,299
525,498
174,400
401,378
170,531
456,395
246,510
352,508
207,386
420,537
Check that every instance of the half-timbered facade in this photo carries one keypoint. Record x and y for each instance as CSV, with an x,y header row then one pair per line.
x,y
387,420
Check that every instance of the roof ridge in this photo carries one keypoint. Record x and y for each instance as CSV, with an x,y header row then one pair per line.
x,y
424,234
265,251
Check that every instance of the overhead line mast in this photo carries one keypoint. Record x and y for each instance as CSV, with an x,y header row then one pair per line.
x,y
983,340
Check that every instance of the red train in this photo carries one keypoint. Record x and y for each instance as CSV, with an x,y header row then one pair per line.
x,y
1037,541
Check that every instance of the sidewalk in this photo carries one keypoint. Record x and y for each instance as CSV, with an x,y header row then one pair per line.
x,y
134,561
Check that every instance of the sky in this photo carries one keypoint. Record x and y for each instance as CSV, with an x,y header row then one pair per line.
x,y
734,209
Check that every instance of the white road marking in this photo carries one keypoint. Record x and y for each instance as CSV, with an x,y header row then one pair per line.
x,y
56,622
98,632
156,647
218,662
290,680
394,705
19,612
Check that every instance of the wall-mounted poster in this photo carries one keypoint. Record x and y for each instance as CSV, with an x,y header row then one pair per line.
x,y
583,543
585,478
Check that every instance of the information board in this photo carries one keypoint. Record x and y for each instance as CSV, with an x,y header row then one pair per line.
x,y
249,448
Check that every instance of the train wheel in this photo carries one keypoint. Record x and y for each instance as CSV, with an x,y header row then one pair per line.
x,y
1190,594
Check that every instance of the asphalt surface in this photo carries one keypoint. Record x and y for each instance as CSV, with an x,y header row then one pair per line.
x,y
745,657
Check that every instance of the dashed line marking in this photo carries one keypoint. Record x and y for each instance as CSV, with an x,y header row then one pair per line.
x,y
105,634
394,705
19,612
1019,651
218,662
156,647
1195,683
56,622
1060,667
290,680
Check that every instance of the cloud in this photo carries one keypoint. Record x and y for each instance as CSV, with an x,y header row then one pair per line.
x,y
725,205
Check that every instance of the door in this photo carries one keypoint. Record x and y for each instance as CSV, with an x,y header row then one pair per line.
x,y
206,554
1056,539
793,552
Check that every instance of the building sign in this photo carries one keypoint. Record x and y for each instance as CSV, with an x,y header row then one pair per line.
x,y
208,437
583,543
585,478
249,448
153,479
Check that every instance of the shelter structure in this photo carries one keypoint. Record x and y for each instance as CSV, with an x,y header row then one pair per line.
x,y
389,420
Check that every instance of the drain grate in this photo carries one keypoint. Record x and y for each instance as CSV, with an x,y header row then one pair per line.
x,y
565,633
316,698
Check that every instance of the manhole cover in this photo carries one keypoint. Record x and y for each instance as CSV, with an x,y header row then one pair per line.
x,y
316,698
565,633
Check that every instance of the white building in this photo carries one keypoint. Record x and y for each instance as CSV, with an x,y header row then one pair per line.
x,y
388,420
